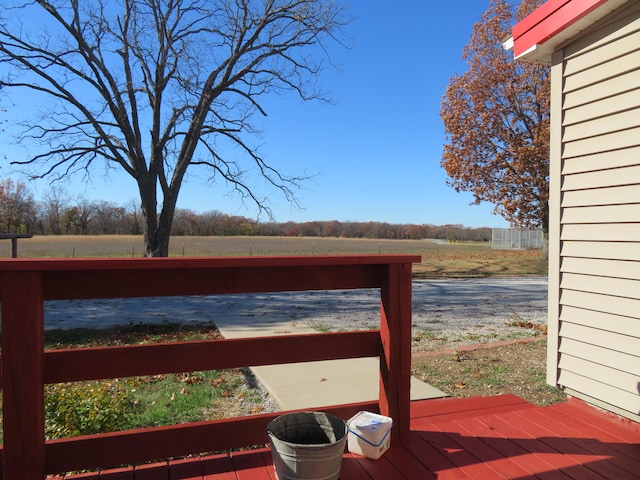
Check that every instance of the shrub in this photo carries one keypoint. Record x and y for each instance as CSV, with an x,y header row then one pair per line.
x,y
85,408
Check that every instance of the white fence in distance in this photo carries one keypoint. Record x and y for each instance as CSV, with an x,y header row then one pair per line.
x,y
514,239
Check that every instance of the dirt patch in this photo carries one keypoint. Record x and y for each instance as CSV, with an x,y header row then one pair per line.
x,y
518,368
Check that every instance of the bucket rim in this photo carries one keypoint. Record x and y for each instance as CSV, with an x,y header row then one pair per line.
x,y
307,412
310,446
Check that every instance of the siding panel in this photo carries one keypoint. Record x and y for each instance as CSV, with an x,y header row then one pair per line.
x,y
602,214
603,71
610,250
613,396
601,267
603,178
628,232
602,161
597,277
595,127
608,33
625,307
604,374
622,46
602,321
622,361
594,336
592,93
603,107
615,287
604,196
603,143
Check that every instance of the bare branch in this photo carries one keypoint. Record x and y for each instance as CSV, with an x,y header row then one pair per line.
x,y
157,86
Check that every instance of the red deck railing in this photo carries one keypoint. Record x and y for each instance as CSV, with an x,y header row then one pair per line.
x,y
26,367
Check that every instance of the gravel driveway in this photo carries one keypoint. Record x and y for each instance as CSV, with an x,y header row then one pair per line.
x,y
460,310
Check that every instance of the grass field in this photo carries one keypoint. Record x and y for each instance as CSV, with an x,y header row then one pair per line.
x,y
438,259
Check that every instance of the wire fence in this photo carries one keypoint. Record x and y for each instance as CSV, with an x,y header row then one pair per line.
x,y
514,239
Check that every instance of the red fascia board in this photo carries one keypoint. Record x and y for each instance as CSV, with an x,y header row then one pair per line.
x,y
538,16
548,20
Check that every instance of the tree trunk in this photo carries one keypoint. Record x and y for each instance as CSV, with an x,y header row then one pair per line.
x,y
157,227
148,205
164,231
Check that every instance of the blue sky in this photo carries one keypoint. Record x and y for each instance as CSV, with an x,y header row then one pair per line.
x,y
376,152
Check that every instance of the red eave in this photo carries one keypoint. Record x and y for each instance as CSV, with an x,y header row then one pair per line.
x,y
548,20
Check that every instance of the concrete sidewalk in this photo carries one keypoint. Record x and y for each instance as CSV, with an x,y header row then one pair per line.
x,y
315,384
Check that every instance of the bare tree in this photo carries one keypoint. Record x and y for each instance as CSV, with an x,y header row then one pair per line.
x,y
155,87
85,211
134,218
55,203
108,218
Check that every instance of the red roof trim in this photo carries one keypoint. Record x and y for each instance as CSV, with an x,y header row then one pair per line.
x,y
548,20
537,16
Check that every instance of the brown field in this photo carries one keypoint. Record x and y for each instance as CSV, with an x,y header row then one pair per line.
x,y
453,259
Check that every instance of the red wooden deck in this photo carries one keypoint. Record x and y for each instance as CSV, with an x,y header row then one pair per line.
x,y
475,438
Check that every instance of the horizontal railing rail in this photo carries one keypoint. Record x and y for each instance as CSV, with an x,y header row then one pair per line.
x,y
25,285
74,365
157,443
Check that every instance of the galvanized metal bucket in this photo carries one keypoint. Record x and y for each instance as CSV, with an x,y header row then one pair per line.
x,y
307,445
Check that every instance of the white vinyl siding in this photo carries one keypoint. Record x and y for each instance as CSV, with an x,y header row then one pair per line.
x,y
621,195
601,267
626,307
598,273
614,251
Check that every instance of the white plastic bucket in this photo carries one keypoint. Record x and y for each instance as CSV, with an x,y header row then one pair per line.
x,y
369,434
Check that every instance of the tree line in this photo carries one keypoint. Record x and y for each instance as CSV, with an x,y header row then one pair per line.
x,y
57,213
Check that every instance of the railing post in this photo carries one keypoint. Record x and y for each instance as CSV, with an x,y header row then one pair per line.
x,y
23,375
395,365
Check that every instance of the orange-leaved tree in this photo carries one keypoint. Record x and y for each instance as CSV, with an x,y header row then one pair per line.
x,y
496,119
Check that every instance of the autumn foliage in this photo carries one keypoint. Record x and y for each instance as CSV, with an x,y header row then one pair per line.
x,y
496,119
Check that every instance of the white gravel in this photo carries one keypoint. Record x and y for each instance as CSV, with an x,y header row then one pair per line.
x,y
444,310
445,313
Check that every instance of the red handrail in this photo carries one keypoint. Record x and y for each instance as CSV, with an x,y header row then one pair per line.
x,y
27,367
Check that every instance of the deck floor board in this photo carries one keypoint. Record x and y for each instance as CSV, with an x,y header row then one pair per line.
x,y
352,469
592,424
506,448
622,454
471,439
451,440
250,465
570,446
218,467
